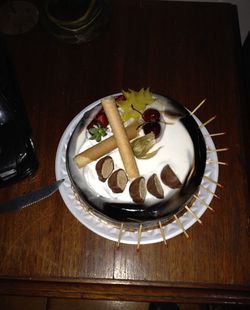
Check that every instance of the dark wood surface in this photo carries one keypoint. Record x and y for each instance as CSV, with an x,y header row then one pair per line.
x,y
187,51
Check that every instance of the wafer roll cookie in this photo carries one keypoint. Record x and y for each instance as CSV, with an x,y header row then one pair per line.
x,y
103,148
122,141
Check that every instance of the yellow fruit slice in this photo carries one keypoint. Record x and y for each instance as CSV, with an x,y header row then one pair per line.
x,y
137,99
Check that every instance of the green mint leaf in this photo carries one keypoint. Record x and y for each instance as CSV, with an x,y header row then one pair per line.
x,y
97,132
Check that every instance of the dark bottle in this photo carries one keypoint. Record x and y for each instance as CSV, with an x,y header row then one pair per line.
x,y
17,156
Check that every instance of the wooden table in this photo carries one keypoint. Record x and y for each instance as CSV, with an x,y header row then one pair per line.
x,y
187,51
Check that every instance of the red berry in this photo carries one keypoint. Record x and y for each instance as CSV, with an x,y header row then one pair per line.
x,y
101,119
152,127
151,115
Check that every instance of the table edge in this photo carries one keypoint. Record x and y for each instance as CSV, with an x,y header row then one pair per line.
x,y
127,290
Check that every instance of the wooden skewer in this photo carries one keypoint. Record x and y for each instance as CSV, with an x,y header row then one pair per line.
x,y
210,192
216,134
181,226
198,106
203,202
120,236
193,214
218,150
208,121
139,238
217,162
212,181
162,233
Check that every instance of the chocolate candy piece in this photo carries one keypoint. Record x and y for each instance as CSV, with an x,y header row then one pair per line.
x,y
118,181
137,190
104,167
169,178
154,186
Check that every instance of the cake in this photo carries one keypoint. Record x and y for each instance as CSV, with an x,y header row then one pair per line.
x,y
169,172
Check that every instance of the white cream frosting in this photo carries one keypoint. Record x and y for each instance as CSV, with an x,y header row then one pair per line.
x,y
175,149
